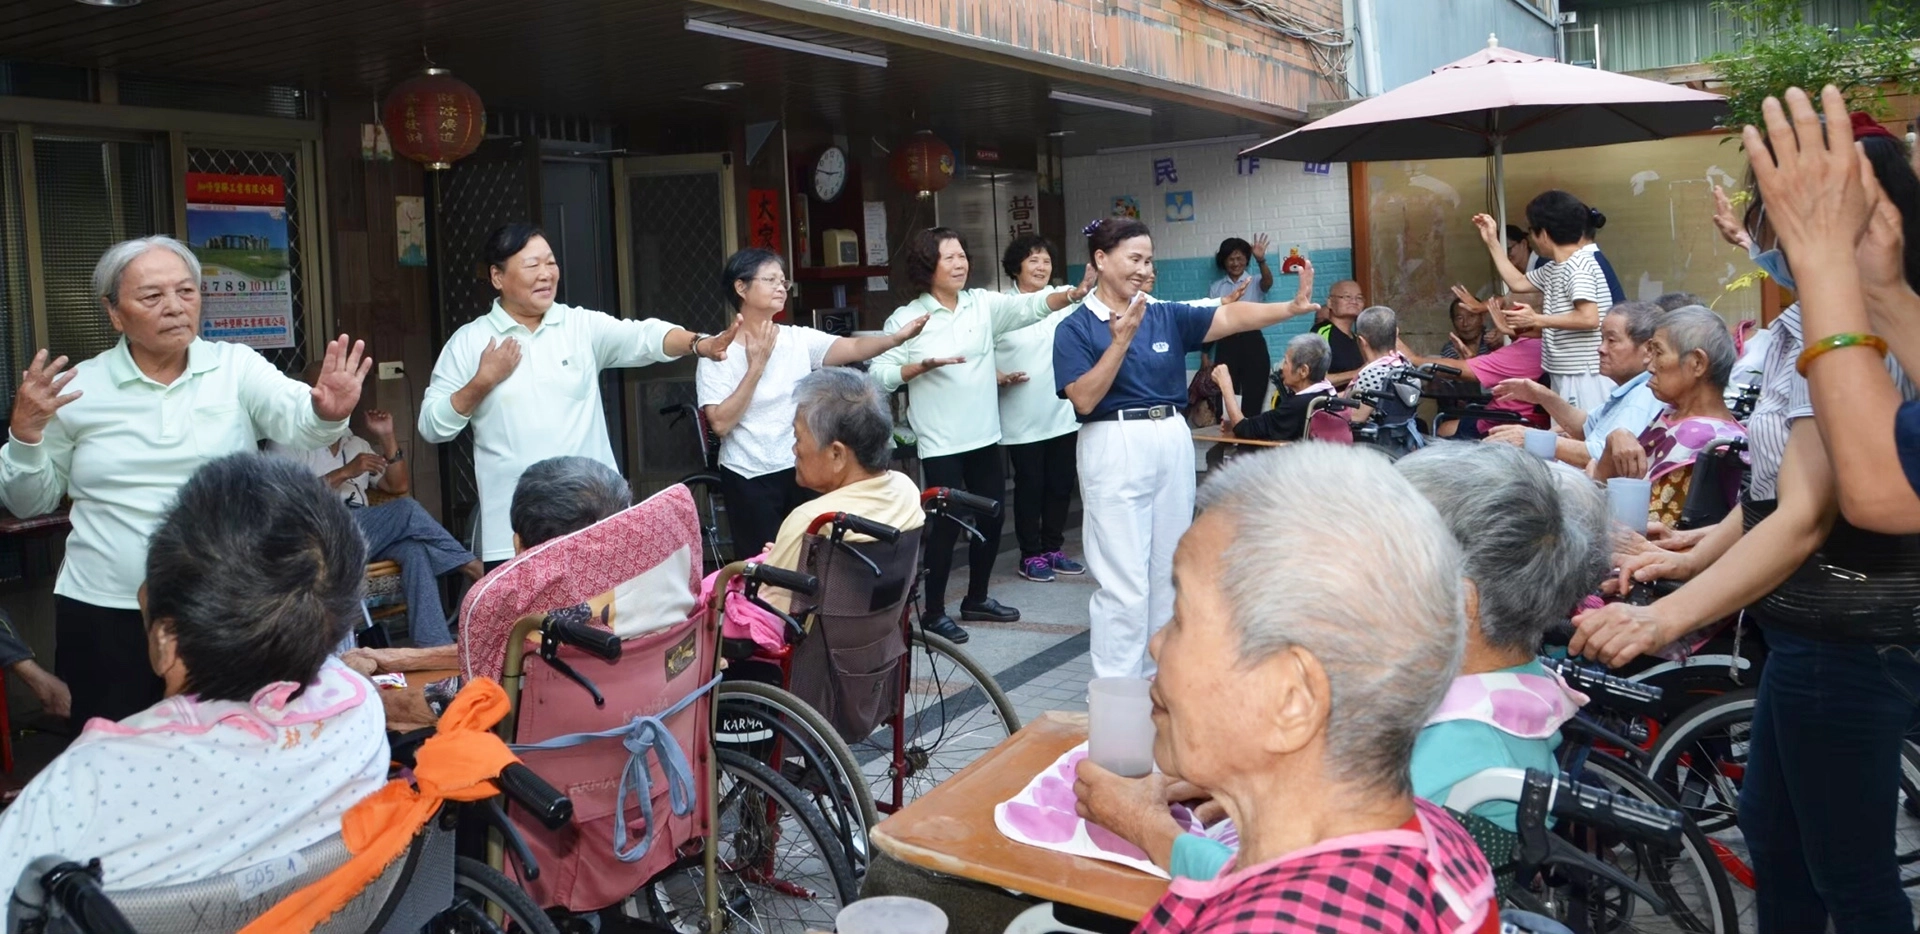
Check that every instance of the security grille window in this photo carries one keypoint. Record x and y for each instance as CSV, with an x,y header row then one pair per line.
x,y
286,167
91,194
16,312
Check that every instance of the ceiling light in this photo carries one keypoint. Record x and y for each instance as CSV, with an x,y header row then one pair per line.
x,y
782,42
109,3
1060,133
1072,98
723,86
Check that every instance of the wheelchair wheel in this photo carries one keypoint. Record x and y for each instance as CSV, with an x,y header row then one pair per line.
x,y
1701,761
711,507
780,867
1690,879
487,902
813,756
953,713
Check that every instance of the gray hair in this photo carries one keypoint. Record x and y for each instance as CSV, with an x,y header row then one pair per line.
x,y
1535,538
259,569
1388,626
1643,318
1380,327
1670,300
1310,351
843,405
114,262
562,495
1695,327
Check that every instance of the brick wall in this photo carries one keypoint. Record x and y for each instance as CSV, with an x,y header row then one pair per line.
x,y
1180,41
1296,209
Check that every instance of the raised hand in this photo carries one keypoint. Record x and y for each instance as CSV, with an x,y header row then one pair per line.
x,y
337,389
1126,323
1088,280
1525,390
1260,242
759,340
1727,222
1881,252
1489,229
911,330
930,364
1239,291
716,346
498,361
1518,316
380,424
1811,179
40,396
1223,379
1467,299
1460,347
1303,296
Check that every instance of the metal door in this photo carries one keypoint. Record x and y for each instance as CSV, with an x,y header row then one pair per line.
x,y
674,229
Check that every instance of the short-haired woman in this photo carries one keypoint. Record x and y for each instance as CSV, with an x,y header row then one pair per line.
x,y
1121,361
748,396
1037,427
1574,288
526,375
263,740
948,368
1245,355
118,435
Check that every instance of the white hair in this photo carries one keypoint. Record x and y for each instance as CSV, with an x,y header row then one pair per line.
x,y
114,262
1336,553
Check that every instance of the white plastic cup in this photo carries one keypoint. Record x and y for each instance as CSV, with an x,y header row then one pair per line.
x,y
891,914
1542,443
1629,498
1120,725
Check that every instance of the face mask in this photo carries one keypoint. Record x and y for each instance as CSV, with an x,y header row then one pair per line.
x,y
1773,263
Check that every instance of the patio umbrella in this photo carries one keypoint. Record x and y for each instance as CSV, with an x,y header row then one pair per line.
x,y
1498,101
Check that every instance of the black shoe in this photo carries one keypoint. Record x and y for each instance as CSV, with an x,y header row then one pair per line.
x,y
989,610
944,627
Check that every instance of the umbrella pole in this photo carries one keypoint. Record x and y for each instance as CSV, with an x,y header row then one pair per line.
x,y
1500,193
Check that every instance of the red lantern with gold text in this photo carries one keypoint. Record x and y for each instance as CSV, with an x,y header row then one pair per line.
x,y
923,164
434,119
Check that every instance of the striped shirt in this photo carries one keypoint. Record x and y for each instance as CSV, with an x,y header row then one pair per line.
x,y
1784,398
1579,279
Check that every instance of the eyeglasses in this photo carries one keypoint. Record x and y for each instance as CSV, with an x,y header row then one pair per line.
x,y
777,283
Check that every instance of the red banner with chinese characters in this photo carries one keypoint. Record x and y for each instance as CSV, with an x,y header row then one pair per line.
x,y
208,188
763,218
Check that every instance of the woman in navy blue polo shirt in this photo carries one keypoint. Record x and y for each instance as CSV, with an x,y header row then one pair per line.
x,y
1122,361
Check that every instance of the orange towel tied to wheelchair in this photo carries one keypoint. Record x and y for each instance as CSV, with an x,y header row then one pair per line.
x,y
458,763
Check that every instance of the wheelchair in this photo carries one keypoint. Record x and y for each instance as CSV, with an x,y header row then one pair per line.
x,y
859,706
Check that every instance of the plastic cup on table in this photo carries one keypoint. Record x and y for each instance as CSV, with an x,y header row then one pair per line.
x,y
1120,725
1542,443
1628,498
891,914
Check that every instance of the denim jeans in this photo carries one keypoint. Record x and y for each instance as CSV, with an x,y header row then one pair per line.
x,y
1822,786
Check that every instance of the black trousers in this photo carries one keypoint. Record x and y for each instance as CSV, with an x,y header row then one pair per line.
x,y
101,653
981,472
1043,482
757,505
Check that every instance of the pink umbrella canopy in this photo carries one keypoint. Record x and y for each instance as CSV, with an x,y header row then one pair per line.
x,y
1499,101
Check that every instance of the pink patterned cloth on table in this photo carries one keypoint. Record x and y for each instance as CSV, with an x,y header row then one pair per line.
x,y
1042,815
625,550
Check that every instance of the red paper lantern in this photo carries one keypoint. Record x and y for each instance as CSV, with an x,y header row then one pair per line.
x,y
434,119
923,164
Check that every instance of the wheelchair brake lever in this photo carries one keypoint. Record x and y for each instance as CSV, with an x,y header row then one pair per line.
x,y
849,549
754,598
516,844
972,532
550,653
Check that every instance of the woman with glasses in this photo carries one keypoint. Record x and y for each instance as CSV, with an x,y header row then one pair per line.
x,y
748,395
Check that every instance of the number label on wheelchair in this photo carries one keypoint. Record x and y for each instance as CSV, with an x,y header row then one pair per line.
x,y
265,877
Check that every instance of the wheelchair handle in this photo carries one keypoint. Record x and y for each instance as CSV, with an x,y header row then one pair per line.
x,y
528,790
780,577
1598,807
1613,692
591,639
70,889
877,531
948,496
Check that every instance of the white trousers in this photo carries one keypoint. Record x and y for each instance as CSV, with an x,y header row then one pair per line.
x,y
1136,487
1586,393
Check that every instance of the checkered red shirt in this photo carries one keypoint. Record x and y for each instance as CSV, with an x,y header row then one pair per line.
x,y
1425,877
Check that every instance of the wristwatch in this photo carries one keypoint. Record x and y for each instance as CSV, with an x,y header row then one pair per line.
x,y
395,456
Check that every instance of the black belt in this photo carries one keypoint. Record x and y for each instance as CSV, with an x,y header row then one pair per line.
x,y
1153,412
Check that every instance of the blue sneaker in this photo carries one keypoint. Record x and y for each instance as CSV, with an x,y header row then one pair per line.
x,y
1059,561
1037,568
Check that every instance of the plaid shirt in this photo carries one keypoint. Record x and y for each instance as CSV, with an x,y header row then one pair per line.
x,y
1425,877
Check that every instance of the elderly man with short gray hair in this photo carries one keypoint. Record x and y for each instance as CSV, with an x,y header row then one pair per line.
x,y
1303,375
1630,406
1298,716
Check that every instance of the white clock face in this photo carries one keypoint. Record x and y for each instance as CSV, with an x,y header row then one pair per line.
x,y
830,174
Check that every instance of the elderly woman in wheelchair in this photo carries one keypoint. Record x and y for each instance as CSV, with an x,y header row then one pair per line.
x,y
263,740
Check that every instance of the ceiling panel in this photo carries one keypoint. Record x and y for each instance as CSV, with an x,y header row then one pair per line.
x,y
630,63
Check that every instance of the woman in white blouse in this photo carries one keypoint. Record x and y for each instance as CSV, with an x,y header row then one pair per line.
x,y
118,435
748,396
1037,427
526,376
949,366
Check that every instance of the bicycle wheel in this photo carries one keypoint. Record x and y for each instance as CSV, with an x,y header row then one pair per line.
x,y
711,507
780,869
953,713
1691,880
814,757
486,902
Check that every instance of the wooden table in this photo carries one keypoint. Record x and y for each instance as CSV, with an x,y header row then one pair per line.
x,y
1214,436
950,830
